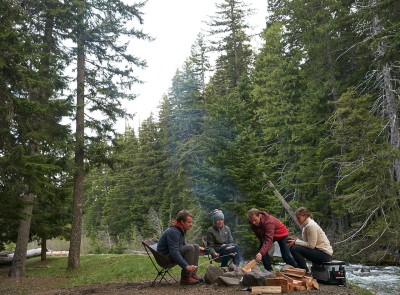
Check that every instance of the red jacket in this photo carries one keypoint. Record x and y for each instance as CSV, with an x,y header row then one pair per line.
x,y
271,229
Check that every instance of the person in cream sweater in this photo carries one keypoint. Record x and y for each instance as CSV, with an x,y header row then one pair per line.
x,y
313,246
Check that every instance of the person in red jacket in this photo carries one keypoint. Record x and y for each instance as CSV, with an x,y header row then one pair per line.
x,y
269,229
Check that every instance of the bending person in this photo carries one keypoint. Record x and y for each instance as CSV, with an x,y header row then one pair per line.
x,y
314,245
220,241
172,243
269,229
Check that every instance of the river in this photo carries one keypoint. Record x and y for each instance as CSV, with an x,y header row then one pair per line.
x,y
382,280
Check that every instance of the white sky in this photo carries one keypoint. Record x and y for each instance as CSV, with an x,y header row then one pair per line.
x,y
175,25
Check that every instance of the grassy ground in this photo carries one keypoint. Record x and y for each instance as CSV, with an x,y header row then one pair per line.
x,y
94,269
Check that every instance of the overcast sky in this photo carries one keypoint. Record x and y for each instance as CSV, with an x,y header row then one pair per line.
x,y
175,25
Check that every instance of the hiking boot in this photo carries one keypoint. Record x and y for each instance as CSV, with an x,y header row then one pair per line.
x,y
194,276
189,281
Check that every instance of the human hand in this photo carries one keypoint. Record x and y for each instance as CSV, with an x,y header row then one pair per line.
x,y
291,241
201,249
191,268
258,257
215,255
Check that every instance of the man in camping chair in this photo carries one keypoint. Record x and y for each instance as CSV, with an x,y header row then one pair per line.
x,y
220,241
172,243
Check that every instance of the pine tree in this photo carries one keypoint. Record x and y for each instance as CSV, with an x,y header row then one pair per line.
x,y
32,144
104,69
232,171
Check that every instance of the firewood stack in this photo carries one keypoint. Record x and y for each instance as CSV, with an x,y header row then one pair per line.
x,y
291,279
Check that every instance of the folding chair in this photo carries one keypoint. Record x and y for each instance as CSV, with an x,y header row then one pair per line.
x,y
161,263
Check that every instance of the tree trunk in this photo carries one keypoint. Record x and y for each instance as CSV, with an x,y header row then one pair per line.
x,y
18,263
76,227
388,95
43,245
391,111
284,203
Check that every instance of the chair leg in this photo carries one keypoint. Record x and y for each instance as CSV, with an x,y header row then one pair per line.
x,y
161,274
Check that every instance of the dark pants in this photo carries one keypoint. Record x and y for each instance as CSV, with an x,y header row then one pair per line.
x,y
190,253
300,253
285,252
224,253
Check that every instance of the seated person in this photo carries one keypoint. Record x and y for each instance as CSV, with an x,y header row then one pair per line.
x,y
172,243
314,245
220,241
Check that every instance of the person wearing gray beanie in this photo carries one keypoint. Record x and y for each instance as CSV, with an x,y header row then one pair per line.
x,y
220,241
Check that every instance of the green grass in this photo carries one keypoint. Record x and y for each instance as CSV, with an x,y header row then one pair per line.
x,y
96,269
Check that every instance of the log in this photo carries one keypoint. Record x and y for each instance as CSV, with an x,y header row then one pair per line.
x,y
285,285
308,282
266,289
6,258
249,265
295,272
283,202
315,284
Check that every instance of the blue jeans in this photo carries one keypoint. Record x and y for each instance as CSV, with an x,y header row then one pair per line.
x,y
224,252
285,252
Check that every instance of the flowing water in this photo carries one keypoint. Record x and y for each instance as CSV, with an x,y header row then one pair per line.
x,y
382,280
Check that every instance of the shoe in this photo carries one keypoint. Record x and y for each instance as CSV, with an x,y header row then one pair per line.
x,y
189,281
197,278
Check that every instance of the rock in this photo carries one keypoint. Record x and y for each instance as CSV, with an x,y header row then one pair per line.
x,y
365,269
212,273
256,277
226,281
234,274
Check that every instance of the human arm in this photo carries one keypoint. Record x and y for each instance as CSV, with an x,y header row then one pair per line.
x,y
268,230
309,236
174,240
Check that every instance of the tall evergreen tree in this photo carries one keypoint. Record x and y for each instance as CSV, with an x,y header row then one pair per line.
x,y
104,69
278,85
233,168
32,129
365,194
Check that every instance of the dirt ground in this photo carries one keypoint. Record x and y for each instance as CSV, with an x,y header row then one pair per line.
x,y
48,286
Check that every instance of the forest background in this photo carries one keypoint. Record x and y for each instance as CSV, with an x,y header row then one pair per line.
x,y
314,111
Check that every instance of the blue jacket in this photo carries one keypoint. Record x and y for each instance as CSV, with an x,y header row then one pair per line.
x,y
170,242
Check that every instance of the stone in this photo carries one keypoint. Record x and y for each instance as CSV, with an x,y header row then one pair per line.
x,y
212,273
256,277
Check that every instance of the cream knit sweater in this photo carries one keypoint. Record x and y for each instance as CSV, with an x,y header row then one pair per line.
x,y
314,237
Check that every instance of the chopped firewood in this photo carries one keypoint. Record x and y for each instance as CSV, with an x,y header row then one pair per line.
x,y
307,282
285,285
295,272
266,289
315,284
249,265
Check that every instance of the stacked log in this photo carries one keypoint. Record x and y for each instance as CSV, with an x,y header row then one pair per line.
x,y
292,279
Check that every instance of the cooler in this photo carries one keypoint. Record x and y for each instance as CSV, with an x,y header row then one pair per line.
x,y
332,273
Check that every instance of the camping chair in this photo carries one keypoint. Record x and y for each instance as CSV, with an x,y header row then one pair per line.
x,y
161,263
209,256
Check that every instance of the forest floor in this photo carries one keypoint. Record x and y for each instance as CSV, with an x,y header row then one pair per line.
x,y
49,286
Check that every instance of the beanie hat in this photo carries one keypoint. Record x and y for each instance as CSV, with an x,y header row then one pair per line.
x,y
217,214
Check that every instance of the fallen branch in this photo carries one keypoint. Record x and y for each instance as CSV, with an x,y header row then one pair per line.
x,y
283,202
